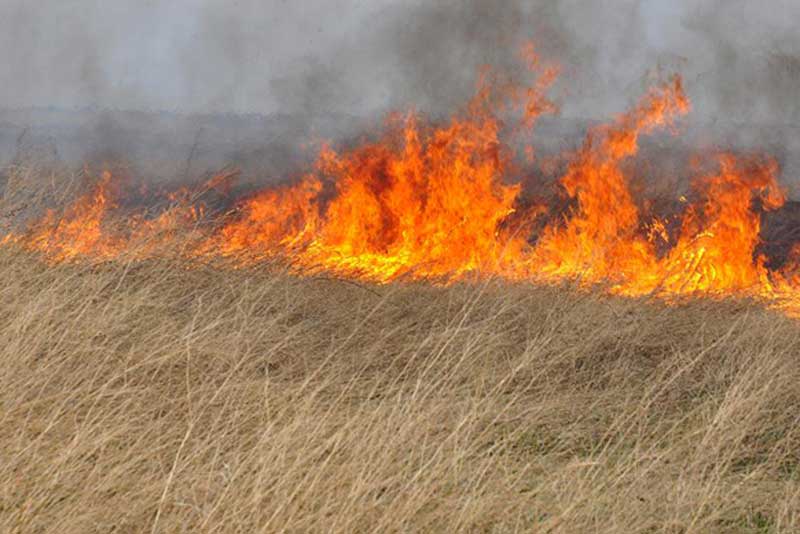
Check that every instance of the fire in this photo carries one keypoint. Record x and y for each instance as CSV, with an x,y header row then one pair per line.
x,y
600,241
445,202
92,228
79,231
715,251
420,202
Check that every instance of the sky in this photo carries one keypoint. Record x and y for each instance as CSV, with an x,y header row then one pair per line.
x,y
359,57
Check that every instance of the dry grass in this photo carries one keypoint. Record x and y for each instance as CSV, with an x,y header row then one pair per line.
x,y
152,398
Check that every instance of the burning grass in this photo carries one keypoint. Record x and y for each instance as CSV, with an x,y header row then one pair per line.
x,y
144,396
445,202
399,341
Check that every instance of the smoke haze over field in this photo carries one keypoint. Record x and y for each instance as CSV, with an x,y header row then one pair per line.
x,y
741,60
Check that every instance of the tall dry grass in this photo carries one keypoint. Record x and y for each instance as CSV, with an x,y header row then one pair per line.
x,y
148,397
151,398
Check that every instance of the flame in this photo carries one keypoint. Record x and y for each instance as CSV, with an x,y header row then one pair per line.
x,y
78,232
600,240
90,227
421,202
444,202
715,251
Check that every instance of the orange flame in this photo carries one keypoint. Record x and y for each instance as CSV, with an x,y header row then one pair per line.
x,y
714,253
442,203
78,233
600,240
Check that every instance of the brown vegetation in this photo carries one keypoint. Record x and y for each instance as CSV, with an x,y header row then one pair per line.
x,y
148,397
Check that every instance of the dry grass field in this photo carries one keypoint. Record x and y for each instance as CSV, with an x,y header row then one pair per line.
x,y
455,266
148,397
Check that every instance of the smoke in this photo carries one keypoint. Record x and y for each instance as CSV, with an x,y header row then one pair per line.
x,y
322,67
315,56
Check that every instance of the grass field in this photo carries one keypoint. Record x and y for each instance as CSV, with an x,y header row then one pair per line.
x,y
149,397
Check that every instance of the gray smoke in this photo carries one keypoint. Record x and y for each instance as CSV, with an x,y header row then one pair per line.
x,y
321,66
740,58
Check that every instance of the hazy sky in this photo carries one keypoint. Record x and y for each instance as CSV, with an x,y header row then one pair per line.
x,y
358,56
